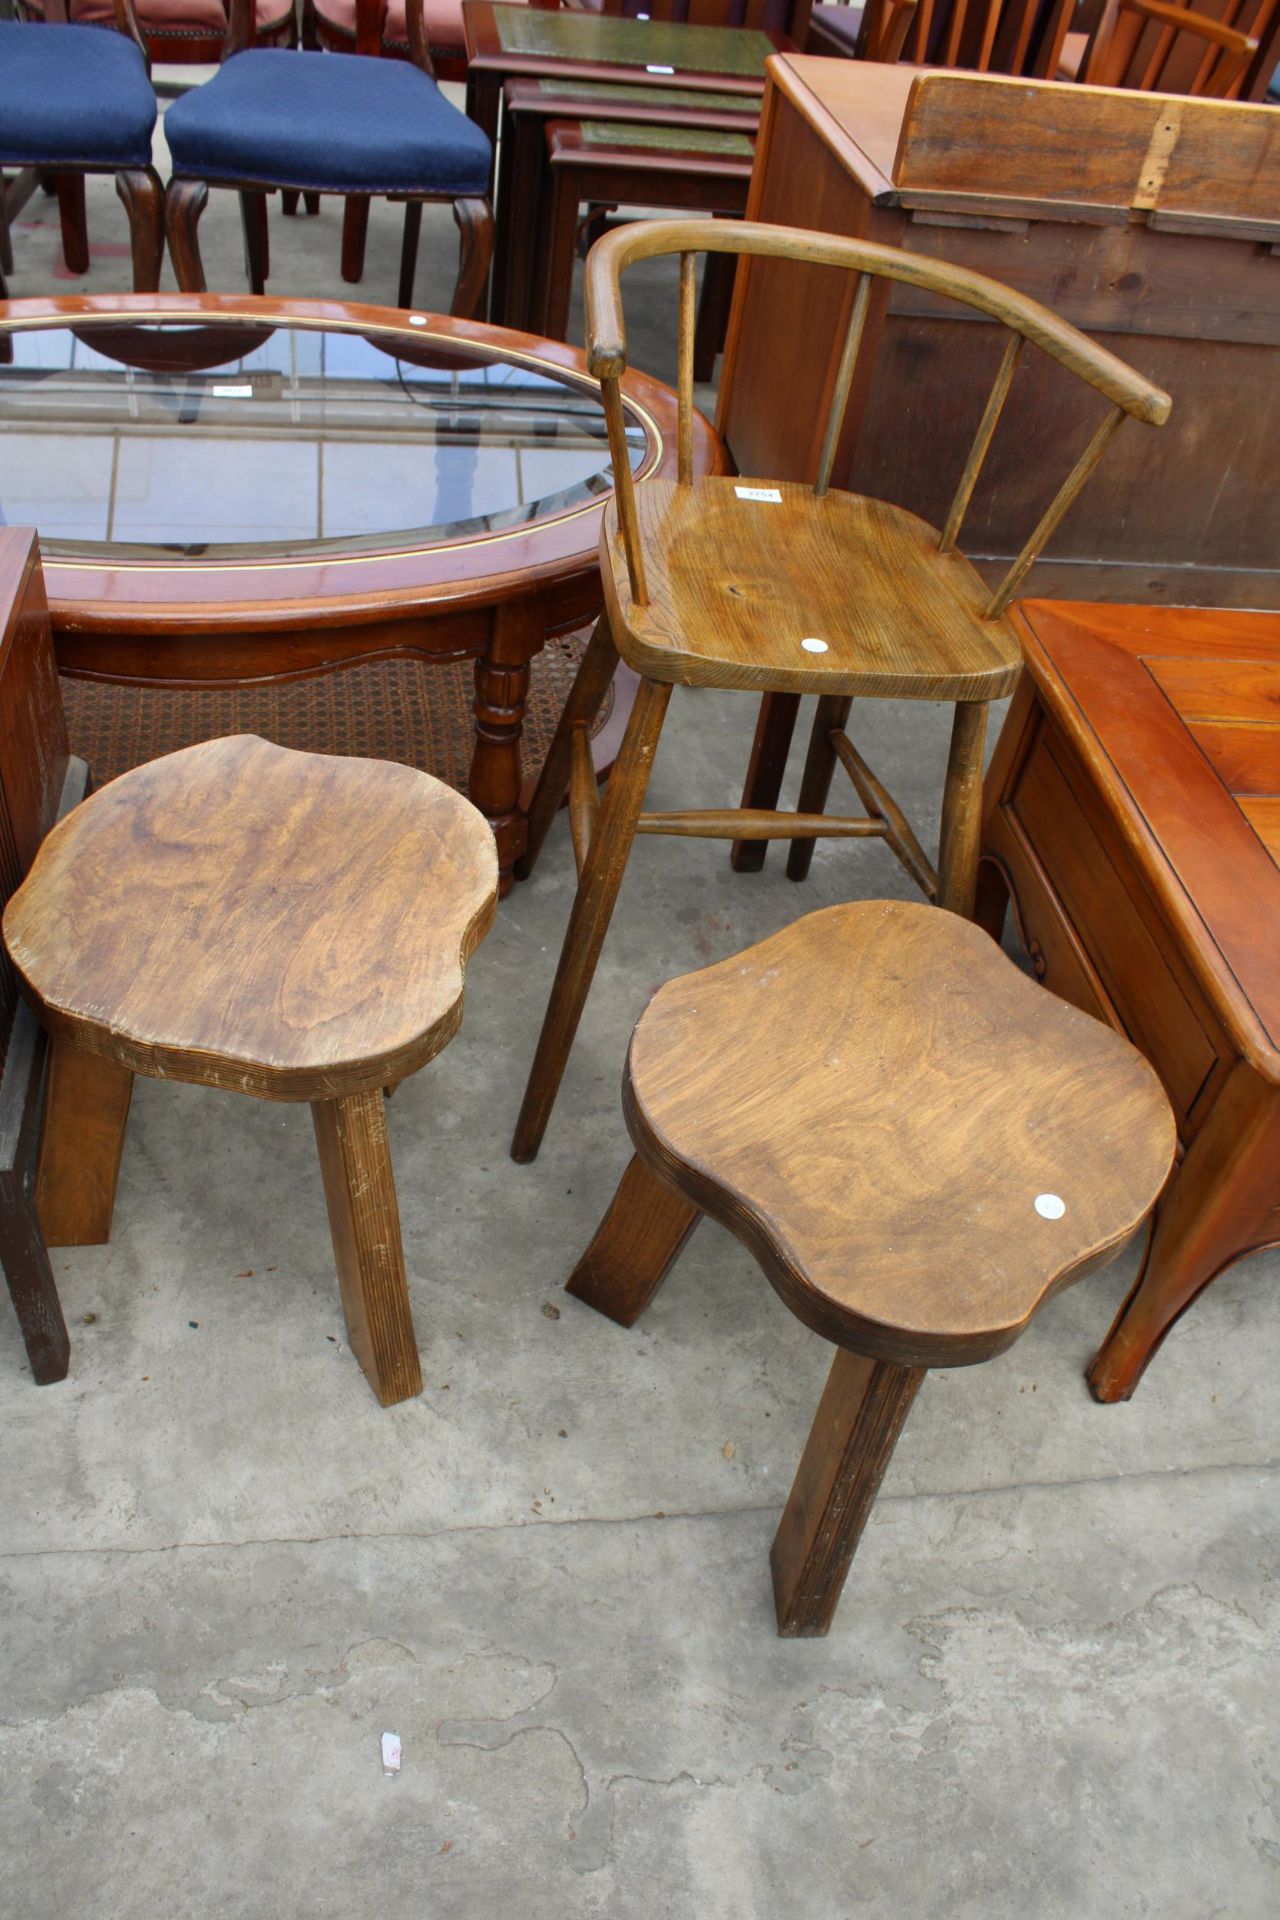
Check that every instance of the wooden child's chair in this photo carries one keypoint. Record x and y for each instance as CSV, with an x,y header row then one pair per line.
x,y
930,1148
776,587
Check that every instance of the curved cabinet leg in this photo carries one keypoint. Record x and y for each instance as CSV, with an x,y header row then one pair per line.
x,y
143,198
1219,1204
360,1192
474,219
86,1106
815,782
863,1407
634,1247
184,202
775,725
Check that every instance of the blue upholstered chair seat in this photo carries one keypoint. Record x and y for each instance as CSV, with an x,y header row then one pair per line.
x,y
76,94
337,123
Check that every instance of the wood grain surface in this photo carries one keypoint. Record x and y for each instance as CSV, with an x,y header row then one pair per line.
x,y
882,1157
290,925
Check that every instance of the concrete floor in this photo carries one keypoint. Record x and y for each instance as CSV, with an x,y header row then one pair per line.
x,y
1050,1690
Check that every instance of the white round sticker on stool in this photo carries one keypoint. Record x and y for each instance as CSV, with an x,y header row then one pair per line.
x,y
1050,1206
417,319
814,646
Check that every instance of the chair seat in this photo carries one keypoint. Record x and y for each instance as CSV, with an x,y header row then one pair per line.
x,y
293,925
874,1101
74,95
319,120
442,19
737,586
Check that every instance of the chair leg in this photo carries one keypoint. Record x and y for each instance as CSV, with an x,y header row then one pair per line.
x,y
962,810
774,727
591,683
73,221
815,783
257,254
593,905
86,1106
355,231
143,198
364,1219
311,205
474,219
184,202
634,1247
855,1430
409,252
25,1259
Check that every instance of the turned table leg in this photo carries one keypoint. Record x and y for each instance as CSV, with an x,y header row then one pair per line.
x,y
635,1246
502,688
855,1430
360,1191
86,1105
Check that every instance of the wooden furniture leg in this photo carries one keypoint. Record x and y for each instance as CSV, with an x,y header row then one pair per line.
x,y
774,727
257,257
86,1107
861,1413
355,231
635,1246
72,220
409,252
502,690
184,202
591,683
474,218
962,810
143,198
1220,1204
593,905
360,1192
553,281
815,782
32,1289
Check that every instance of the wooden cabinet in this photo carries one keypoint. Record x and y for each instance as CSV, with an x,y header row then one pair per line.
x,y
1152,223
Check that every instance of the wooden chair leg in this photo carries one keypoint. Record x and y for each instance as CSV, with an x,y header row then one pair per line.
x,y
184,202
86,1106
593,905
289,198
962,810
311,205
815,783
25,1259
863,1407
591,682
409,252
1218,1205
143,198
474,218
355,231
364,1219
774,727
257,256
73,221
634,1247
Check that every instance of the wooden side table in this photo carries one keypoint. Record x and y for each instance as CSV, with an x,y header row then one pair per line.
x,y
1132,812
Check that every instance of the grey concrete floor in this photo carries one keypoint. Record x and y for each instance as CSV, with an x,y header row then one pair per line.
x,y
1050,1689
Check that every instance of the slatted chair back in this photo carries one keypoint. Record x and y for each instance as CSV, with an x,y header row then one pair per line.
x,y
766,16
1127,393
1158,46
370,20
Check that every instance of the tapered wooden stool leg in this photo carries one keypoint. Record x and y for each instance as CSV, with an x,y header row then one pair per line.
x,y
815,783
962,810
31,1285
775,725
593,905
591,682
859,1418
86,1105
635,1246
360,1191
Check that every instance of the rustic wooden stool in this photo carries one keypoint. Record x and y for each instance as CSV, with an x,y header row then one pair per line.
x,y
927,1148
291,925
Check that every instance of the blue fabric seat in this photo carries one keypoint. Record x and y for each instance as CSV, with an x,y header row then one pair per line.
x,y
324,121
77,95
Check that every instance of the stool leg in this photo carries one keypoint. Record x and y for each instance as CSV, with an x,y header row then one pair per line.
x,y
634,1247
31,1285
855,1430
360,1191
86,1105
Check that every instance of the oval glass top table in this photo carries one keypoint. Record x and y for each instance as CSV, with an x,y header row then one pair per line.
x,y
241,491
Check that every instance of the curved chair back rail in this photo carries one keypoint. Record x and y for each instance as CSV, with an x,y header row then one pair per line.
x,y
1129,393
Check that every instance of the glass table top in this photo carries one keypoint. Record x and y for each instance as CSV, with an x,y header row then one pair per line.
x,y
243,439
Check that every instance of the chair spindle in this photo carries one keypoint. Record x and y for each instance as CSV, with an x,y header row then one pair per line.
x,y
843,382
1057,508
981,442
688,323
624,486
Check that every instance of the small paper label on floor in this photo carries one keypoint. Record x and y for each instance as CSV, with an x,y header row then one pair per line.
x,y
391,1753
659,69
758,493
